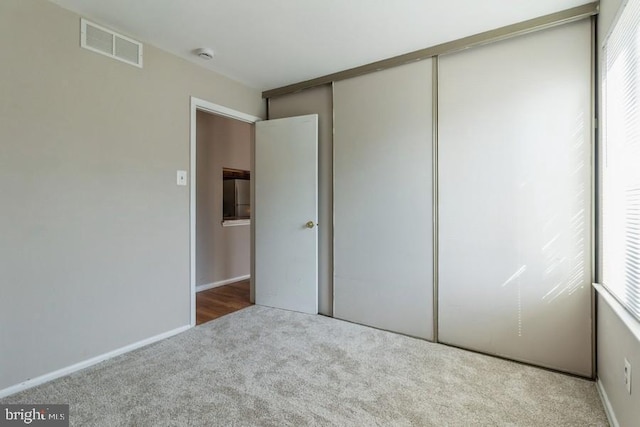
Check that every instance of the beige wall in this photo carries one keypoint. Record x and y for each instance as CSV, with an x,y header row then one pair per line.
x,y
615,341
317,100
608,12
94,251
222,253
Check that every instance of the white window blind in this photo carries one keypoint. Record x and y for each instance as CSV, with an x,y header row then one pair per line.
x,y
620,187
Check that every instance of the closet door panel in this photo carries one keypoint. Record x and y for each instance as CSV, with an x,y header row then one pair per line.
x,y
383,247
515,198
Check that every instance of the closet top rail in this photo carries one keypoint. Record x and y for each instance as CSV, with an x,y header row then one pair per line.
x,y
524,27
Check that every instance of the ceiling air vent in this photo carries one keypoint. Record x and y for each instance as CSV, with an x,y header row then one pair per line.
x,y
104,41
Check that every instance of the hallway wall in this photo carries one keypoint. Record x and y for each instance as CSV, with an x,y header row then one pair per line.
x,y
223,253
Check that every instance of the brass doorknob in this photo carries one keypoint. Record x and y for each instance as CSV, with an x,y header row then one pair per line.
x,y
310,224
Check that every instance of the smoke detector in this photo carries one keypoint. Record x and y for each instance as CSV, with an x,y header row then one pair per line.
x,y
204,53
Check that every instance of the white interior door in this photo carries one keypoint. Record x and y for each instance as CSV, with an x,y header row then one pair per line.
x,y
285,213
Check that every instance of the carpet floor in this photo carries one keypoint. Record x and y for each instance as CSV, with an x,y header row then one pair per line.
x,y
267,367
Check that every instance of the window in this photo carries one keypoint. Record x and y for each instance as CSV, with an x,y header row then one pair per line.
x,y
620,160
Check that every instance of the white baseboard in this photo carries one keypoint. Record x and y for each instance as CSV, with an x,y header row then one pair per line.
x,y
86,363
608,409
201,288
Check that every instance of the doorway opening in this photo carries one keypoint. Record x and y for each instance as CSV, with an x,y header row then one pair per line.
x,y
221,245
217,302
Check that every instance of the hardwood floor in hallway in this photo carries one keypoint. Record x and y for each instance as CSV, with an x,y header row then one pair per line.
x,y
217,302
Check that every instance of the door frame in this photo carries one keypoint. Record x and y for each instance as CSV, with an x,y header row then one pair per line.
x,y
198,104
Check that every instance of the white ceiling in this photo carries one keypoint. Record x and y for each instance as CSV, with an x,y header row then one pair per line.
x,y
271,43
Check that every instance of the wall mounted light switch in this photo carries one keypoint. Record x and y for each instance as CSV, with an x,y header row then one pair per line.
x,y
182,178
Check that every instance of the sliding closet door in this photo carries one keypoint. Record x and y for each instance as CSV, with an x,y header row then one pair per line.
x,y
382,199
515,198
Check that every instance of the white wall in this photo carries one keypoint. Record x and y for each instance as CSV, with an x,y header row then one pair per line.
x,y
94,246
223,253
608,12
615,341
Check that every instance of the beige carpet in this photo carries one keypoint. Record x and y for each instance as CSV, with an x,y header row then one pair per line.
x,y
268,367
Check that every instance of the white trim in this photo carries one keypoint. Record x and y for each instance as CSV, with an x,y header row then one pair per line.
x,y
629,321
89,362
202,105
192,211
201,288
608,409
221,110
235,222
